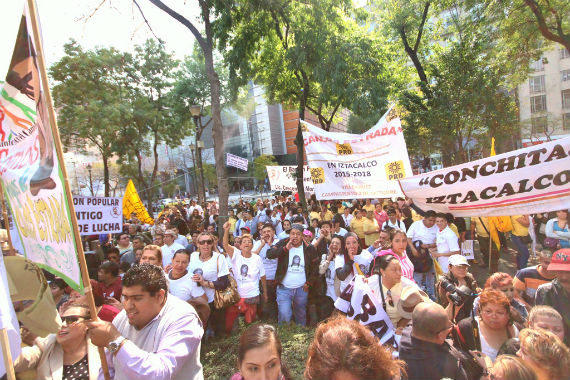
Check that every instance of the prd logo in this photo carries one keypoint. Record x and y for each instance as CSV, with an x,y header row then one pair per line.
x,y
395,170
343,149
318,175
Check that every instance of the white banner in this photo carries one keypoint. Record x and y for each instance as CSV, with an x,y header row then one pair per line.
x,y
467,249
282,178
525,181
99,215
347,166
359,303
236,161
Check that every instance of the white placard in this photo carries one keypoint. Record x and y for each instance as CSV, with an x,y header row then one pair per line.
x,y
525,181
345,165
467,250
282,178
236,162
99,215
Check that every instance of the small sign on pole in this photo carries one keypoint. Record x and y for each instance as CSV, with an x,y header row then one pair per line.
x,y
236,162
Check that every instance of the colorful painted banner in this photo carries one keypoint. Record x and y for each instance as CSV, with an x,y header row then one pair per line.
x,y
132,204
525,181
345,165
282,178
99,215
30,169
236,161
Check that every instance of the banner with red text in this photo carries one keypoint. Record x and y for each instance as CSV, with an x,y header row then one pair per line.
x,y
30,169
525,181
345,165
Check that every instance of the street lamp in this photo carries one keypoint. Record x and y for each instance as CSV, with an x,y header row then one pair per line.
x,y
196,111
89,168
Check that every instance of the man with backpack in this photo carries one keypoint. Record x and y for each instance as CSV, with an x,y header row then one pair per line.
x,y
393,221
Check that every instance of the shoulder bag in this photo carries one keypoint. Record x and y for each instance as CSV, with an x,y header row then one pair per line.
x,y
228,296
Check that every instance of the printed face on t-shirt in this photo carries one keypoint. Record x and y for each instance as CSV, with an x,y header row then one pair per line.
x,y
363,269
243,271
328,273
295,264
198,271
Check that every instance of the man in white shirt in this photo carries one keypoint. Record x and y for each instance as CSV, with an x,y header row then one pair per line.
x,y
336,228
180,239
446,241
393,221
194,206
421,237
155,336
347,216
169,248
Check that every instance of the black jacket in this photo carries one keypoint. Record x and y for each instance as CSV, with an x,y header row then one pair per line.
x,y
426,360
312,261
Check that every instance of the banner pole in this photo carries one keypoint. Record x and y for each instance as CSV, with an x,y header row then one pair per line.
x,y
7,355
6,222
57,142
490,249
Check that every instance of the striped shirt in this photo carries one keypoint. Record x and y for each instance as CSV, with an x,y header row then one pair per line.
x,y
405,263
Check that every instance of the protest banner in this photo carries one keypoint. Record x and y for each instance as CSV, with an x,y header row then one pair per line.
x,y
99,215
359,303
31,166
525,181
283,178
345,165
132,204
236,162
467,250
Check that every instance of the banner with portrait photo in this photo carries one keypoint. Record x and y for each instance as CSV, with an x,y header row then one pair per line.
x,y
283,178
530,180
349,166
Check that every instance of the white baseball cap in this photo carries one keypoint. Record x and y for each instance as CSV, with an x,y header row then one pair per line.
x,y
458,260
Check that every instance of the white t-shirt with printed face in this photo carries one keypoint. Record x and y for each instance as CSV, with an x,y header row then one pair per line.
x,y
184,288
295,275
270,265
247,272
418,231
329,278
362,260
210,270
446,242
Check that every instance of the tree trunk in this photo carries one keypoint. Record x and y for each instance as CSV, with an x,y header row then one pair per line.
x,y
105,176
300,160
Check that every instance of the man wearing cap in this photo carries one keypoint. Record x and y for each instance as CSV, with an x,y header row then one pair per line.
x,y
297,271
245,221
170,247
557,293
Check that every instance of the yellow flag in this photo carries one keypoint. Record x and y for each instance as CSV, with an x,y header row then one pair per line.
x,y
493,153
132,203
493,232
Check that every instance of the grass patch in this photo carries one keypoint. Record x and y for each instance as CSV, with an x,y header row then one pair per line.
x,y
219,356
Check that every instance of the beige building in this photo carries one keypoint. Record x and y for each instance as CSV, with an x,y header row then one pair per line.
x,y
545,99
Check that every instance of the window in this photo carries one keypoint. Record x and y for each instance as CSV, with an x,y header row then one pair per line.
x,y
566,98
538,124
537,65
564,53
536,84
566,121
565,75
538,103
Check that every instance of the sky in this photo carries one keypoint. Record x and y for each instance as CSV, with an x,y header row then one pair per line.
x,y
116,23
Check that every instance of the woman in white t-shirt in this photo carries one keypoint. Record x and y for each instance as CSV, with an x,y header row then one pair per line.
x,y
327,269
180,280
248,271
210,271
355,261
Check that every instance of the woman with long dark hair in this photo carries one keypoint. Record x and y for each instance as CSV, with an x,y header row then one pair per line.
x,y
355,261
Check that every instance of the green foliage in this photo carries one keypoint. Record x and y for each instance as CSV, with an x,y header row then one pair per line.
x,y
259,164
210,174
219,357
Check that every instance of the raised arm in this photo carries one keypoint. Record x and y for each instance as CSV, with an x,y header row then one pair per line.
x,y
226,241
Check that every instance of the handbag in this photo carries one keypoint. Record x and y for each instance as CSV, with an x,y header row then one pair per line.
x,y
228,296
423,262
551,243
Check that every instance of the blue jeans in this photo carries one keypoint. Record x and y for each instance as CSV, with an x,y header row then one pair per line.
x,y
522,249
292,300
426,282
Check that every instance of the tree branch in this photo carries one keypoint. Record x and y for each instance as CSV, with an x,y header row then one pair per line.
x,y
421,28
544,30
146,21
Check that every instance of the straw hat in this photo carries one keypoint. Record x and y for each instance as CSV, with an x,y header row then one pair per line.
x,y
410,297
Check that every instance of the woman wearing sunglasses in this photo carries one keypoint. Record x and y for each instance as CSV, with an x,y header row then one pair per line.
x,y
210,271
67,355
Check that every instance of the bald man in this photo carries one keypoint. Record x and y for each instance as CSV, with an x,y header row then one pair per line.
x,y
424,348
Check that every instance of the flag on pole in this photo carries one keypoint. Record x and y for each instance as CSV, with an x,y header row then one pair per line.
x,y
493,153
8,318
132,203
498,223
30,167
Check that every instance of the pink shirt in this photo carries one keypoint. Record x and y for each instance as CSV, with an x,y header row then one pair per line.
x,y
405,263
381,217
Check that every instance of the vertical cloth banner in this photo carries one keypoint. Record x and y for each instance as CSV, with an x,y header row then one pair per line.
x,y
132,204
282,178
345,165
30,167
530,180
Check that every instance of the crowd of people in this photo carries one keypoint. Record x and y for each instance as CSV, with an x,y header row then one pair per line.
x,y
163,290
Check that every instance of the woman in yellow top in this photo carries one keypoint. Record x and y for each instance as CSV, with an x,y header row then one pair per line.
x,y
371,229
357,225
519,237
369,206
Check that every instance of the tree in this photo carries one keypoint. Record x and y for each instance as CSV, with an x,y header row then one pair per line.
x,y
92,104
259,166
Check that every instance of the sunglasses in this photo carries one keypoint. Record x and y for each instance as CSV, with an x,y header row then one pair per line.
x,y
389,298
72,320
202,242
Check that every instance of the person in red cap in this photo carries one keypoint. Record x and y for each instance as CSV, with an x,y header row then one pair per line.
x,y
557,292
